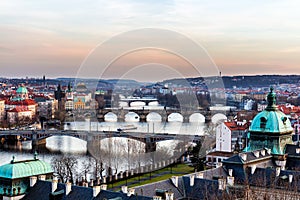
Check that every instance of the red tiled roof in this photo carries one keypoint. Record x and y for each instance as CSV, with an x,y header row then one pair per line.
x,y
26,102
233,126
18,110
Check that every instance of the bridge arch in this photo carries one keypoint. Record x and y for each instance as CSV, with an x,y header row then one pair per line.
x,y
123,104
153,117
67,145
197,117
175,117
218,117
153,103
110,117
132,117
137,103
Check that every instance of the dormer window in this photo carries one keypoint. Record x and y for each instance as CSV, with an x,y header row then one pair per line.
x,y
284,120
263,122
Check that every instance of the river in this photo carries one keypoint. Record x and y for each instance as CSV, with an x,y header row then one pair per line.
x,y
121,153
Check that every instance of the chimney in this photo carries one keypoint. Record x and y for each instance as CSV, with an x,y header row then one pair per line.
x,y
54,183
42,177
91,182
222,184
256,154
96,190
169,196
130,192
124,189
243,156
32,180
277,171
104,179
230,180
290,178
230,172
103,187
174,180
192,180
68,188
263,152
200,175
157,198
219,164
253,168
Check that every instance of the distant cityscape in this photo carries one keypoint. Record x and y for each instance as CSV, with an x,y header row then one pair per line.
x,y
244,129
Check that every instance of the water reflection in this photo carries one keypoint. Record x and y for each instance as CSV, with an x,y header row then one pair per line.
x,y
119,153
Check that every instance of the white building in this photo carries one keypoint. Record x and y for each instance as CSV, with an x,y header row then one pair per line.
x,y
19,115
230,136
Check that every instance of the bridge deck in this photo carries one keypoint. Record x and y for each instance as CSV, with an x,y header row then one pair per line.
x,y
41,134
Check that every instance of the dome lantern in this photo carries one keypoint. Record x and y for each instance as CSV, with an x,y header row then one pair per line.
x,y
271,98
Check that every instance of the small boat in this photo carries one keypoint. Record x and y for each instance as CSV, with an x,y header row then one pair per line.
x,y
127,127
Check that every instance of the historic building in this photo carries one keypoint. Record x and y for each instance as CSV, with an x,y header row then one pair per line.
x,y
69,103
270,129
16,177
2,110
20,108
59,95
21,93
19,116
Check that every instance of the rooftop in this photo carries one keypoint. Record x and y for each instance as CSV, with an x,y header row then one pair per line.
x,y
25,168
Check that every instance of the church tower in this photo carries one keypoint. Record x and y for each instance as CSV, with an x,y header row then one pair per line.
x,y
69,105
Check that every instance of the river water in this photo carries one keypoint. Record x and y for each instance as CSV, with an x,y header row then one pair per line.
x,y
121,153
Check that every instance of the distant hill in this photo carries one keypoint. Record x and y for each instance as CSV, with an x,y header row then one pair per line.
x,y
259,80
240,81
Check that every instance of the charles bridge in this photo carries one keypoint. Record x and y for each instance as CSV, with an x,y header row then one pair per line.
x,y
142,114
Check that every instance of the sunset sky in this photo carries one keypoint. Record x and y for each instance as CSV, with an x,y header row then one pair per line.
x,y
241,37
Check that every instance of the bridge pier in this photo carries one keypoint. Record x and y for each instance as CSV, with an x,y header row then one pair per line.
x,y
142,118
34,141
185,119
150,145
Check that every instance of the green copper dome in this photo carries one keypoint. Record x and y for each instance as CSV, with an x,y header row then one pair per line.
x,y
22,90
26,168
271,120
270,129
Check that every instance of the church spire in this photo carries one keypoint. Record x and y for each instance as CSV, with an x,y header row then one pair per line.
x,y
69,87
271,98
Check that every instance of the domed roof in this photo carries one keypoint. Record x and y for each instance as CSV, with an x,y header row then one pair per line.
x,y
24,168
271,120
22,90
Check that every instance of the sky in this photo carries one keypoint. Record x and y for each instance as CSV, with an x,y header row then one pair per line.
x,y
56,38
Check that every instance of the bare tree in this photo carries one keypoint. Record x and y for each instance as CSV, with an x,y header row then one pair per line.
x,y
65,167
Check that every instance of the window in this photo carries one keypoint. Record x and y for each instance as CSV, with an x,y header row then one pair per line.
x,y
263,122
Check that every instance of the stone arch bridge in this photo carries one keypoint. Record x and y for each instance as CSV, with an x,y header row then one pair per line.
x,y
39,137
143,113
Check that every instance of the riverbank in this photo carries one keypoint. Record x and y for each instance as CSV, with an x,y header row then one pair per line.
x,y
159,175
